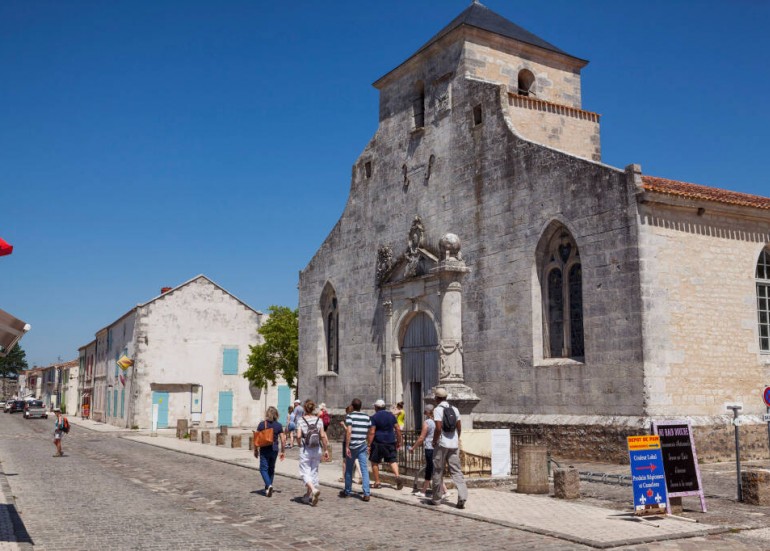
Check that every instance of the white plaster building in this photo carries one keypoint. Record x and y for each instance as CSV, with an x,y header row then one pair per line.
x,y
189,348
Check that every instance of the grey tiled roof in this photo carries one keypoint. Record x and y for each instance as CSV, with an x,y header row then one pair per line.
x,y
479,16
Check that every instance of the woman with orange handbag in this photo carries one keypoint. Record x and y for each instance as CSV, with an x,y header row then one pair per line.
x,y
268,452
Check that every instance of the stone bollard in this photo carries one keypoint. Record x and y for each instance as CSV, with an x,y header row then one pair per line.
x,y
251,441
221,439
205,437
755,486
566,483
223,429
181,427
533,469
193,435
235,441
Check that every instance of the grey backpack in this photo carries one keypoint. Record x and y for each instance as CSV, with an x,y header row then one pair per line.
x,y
312,439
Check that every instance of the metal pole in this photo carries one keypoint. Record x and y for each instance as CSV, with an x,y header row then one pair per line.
x,y
768,427
737,450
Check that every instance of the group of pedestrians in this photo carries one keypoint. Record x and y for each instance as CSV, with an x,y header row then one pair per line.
x,y
379,437
374,439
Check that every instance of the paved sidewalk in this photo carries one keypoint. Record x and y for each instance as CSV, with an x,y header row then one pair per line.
x,y
7,509
568,520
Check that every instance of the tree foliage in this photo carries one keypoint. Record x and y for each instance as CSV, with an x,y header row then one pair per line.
x,y
278,357
15,361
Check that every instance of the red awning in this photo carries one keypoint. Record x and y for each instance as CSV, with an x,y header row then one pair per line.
x,y
5,247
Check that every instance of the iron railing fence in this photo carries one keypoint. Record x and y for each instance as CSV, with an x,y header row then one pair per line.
x,y
410,463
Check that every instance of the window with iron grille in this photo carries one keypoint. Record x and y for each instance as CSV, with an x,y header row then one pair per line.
x,y
763,299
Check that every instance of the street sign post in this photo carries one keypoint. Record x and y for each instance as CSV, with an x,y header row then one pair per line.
x,y
647,474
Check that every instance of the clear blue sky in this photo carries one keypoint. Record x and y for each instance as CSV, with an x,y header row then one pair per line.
x,y
143,142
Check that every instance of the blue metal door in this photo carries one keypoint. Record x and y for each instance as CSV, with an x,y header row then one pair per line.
x,y
161,398
225,416
284,401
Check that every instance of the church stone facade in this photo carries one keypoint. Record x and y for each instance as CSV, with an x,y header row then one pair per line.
x,y
485,247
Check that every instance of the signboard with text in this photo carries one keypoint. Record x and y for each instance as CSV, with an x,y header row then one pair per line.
x,y
679,459
647,474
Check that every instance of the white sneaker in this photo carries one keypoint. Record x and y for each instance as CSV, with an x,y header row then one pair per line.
x,y
418,494
315,496
269,491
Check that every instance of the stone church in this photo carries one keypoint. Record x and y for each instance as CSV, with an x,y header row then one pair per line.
x,y
486,247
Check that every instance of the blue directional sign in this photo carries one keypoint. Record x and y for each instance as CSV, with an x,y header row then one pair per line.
x,y
649,478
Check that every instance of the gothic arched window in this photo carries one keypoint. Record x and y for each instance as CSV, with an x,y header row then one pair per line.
x,y
763,299
562,277
331,319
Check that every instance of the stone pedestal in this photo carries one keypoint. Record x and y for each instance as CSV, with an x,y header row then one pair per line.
x,y
223,429
193,435
181,427
533,470
221,439
755,485
235,441
205,437
566,483
675,503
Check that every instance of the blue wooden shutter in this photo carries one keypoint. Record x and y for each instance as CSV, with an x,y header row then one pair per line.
x,y
225,412
230,361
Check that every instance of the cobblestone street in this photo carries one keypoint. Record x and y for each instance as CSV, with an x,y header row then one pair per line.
x,y
111,493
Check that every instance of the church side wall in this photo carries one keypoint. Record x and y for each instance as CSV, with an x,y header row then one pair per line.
x,y
700,310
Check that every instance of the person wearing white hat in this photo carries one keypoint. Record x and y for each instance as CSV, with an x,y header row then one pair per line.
x,y
384,440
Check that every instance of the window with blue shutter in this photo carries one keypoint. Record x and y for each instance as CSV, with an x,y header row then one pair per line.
x,y
230,361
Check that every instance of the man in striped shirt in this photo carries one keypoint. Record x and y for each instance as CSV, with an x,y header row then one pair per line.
x,y
357,425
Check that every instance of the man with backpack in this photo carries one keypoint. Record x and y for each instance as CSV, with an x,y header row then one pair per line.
x,y
61,427
446,443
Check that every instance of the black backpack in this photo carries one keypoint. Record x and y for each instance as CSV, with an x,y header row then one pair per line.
x,y
449,419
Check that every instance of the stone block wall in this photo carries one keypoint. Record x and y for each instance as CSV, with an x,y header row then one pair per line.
x,y
496,59
565,129
700,309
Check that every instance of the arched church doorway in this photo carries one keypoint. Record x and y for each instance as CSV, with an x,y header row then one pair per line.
x,y
419,354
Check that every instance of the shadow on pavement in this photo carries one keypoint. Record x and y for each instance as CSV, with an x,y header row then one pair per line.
x,y
20,531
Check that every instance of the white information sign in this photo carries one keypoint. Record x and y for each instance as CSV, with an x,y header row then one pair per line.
x,y
501,452
766,417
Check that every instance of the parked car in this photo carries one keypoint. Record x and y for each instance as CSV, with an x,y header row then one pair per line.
x,y
35,408
7,406
16,405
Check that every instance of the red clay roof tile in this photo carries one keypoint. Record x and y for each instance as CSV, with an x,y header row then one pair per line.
x,y
706,193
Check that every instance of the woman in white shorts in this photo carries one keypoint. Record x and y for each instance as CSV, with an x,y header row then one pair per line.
x,y
311,428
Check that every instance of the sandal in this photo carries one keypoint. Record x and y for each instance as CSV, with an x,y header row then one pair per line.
x,y
376,486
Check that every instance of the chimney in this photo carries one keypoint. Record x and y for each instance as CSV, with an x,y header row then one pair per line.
x,y
164,290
